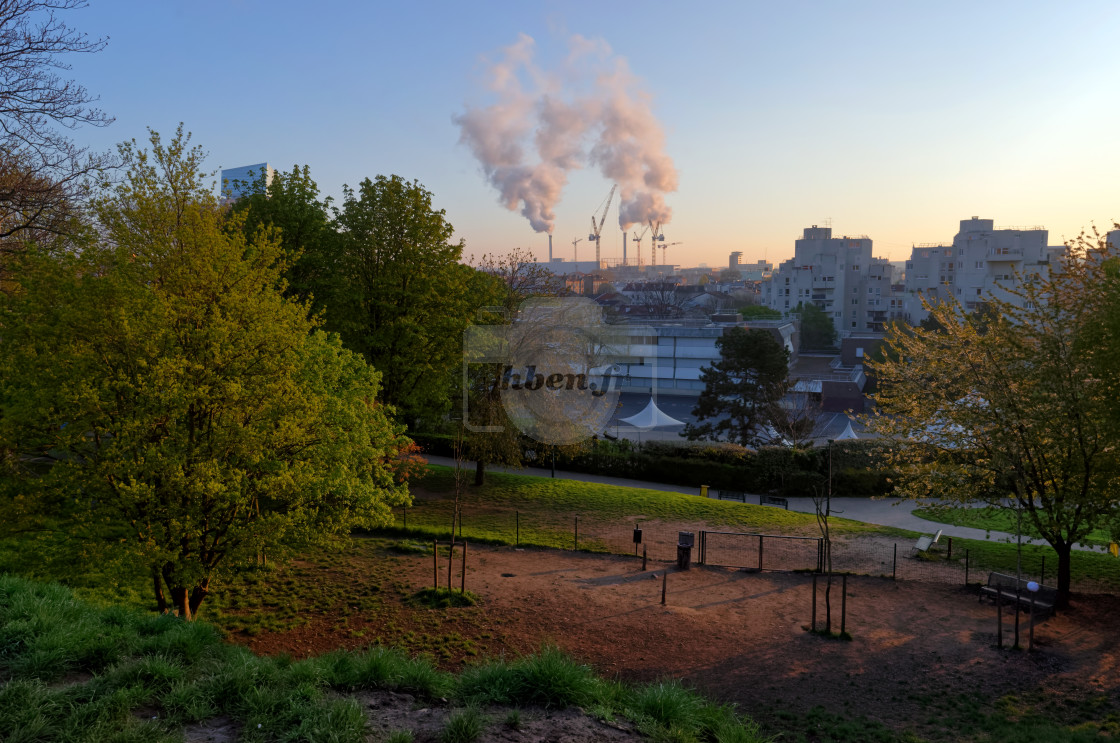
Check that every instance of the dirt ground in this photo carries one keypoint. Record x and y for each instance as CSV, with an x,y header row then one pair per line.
x,y
743,637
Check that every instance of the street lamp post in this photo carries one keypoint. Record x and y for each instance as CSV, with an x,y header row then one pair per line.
x,y
828,506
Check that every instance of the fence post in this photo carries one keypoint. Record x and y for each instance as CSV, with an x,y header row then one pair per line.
x,y
814,624
664,585
999,619
575,535
894,566
761,540
643,558
450,560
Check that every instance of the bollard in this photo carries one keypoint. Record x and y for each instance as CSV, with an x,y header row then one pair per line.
x,y
664,584
575,534
703,491
894,565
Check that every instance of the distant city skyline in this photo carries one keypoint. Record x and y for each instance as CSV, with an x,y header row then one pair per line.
x,y
890,120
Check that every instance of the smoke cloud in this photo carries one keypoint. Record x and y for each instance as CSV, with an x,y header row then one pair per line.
x,y
543,125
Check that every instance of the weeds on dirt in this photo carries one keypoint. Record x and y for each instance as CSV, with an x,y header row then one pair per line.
x,y
445,598
70,672
463,726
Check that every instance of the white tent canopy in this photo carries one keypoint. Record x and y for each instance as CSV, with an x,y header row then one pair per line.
x,y
651,417
848,434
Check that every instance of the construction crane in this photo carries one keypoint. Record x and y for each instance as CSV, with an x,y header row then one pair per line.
x,y
664,249
655,238
597,228
638,239
575,255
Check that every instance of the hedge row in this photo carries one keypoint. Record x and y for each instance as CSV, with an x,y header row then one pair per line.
x,y
856,465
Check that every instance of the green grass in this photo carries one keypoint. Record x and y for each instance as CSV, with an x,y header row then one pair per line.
x,y
546,508
996,519
444,598
70,671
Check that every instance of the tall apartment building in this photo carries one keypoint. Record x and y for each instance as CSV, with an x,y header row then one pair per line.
x,y
980,262
841,277
237,182
734,260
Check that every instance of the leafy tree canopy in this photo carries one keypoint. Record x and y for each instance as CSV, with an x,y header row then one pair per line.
x,y
1011,405
191,415
817,328
759,312
741,388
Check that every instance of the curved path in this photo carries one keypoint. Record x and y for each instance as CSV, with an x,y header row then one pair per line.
x,y
896,512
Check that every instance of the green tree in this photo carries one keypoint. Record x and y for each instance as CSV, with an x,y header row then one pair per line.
x,y
817,328
193,417
501,284
402,298
759,312
1006,407
290,203
741,389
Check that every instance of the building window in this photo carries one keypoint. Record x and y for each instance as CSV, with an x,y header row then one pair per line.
x,y
855,301
853,323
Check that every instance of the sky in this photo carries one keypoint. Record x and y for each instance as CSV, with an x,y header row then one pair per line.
x,y
886,119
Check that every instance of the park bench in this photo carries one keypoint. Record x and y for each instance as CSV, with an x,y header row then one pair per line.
x,y
925,542
1002,587
773,500
738,495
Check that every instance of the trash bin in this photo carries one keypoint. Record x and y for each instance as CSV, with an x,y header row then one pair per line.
x,y
685,541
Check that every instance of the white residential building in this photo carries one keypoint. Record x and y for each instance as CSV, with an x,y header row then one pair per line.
x,y
841,277
981,262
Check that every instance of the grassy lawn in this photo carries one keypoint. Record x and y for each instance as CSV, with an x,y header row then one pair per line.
x,y
544,508
995,519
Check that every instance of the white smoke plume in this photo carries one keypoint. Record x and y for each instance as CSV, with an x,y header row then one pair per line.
x,y
542,125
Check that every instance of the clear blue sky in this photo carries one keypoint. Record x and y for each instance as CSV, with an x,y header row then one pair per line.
x,y
894,119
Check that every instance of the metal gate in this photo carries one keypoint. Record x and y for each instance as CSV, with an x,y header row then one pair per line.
x,y
761,551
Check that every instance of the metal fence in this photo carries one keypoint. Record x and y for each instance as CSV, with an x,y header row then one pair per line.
x,y
873,555
761,551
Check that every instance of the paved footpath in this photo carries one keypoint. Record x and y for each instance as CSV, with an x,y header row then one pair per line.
x,y
896,512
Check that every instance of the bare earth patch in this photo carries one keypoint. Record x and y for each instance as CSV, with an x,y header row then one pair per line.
x,y
742,637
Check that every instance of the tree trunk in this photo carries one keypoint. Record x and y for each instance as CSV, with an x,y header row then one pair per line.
x,y
479,472
199,593
157,585
1064,550
180,600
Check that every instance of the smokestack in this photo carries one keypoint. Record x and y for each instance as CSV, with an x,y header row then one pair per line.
x,y
624,247
550,247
